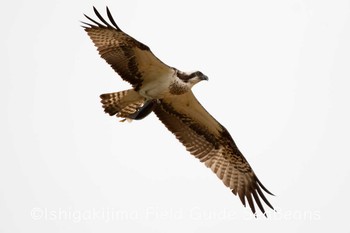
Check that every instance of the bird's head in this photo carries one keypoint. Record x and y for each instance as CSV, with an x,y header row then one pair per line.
x,y
192,78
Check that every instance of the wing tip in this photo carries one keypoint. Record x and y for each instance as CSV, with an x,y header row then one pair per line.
x,y
98,24
263,187
110,17
253,194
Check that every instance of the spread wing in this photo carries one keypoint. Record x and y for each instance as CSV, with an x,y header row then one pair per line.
x,y
131,59
212,144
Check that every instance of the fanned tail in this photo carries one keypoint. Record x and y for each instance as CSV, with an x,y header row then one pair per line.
x,y
122,103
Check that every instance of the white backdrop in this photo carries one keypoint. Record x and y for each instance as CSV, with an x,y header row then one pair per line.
x,y
278,81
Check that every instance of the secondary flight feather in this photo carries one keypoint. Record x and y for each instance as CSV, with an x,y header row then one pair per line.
x,y
166,91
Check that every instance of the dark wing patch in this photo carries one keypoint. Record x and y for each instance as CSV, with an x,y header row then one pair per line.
x,y
130,58
219,153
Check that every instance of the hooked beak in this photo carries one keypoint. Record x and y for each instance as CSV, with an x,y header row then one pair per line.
x,y
204,77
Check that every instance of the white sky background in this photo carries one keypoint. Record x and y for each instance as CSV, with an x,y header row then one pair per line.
x,y
279,82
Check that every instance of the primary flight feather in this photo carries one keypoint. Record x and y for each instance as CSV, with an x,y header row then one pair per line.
x,y
166,91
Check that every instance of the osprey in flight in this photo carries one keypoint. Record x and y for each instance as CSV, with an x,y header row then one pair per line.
x,y
166,91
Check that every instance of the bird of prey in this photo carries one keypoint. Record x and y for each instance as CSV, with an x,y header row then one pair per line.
x,y
166,91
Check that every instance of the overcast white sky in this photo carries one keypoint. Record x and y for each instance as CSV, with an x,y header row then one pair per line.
x,y
279,82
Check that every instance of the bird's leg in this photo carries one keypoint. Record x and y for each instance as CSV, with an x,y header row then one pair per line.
x,y
144,111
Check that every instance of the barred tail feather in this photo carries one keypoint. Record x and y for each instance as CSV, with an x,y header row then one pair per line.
x,y
122,103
